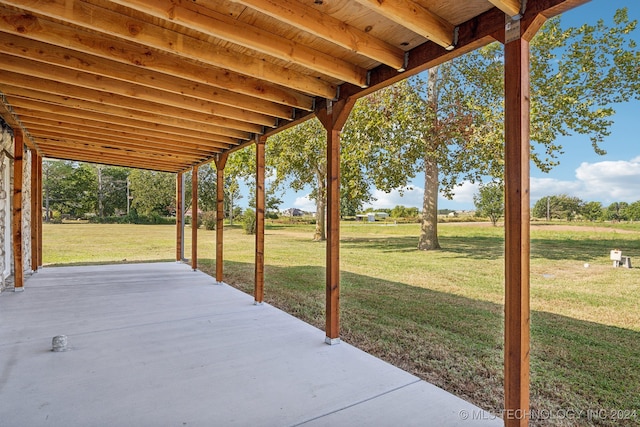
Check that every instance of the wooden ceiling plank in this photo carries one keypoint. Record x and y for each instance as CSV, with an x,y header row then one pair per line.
x,y
325,26
89,145
69,59
108,99
188,140
75,83
137,110
105,21
144,59
41,127
513,8
80,143
206,21
418,19
106,159
178,129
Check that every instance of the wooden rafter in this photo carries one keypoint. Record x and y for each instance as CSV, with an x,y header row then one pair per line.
x,y
123,52
513,8
193,16
113,104
135,30
57,80
172,128
313,21
419,19
97,66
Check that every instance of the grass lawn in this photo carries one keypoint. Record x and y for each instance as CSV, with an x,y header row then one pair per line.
x,y
439,314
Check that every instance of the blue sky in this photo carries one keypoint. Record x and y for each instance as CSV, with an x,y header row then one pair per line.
x,y
581,172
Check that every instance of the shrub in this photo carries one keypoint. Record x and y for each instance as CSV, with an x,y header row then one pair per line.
x,y
209,220
249,221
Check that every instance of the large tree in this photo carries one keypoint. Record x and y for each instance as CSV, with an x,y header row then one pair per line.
x,y
489,201
153,192
70,188
298,160
454,116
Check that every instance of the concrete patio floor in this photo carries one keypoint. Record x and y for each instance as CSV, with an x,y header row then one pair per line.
x,y
161,345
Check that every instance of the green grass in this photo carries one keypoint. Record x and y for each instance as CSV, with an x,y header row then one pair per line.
x,y
437,314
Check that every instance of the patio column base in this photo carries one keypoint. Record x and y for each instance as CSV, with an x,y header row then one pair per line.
x,y
332,341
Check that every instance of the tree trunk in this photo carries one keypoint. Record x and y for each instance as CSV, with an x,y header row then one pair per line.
x,y
321,208
429,228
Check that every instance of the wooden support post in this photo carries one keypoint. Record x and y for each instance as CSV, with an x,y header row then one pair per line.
x,y
220,161
179,217
17,213
517,216
194,218
39,211
34,210
333,116
260,210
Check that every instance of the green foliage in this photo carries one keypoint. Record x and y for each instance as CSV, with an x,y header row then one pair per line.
x,y
617,211
70,187
209,220
206,188
489,201
633,211
153,192
558,207
591,211
113,189
249,221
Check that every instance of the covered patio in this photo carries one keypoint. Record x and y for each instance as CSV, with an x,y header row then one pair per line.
x,y
171,85
162,345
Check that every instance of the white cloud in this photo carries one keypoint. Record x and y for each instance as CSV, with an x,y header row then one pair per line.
x,y
606,182
464,193
411,197
305,203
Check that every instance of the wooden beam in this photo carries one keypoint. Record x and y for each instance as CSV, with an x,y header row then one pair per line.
x,y
39,210
179,217
220,161
333,117
126,150
24,73
35,159
513,8
194,218
325,26
105,158
77,61
16,226
134,30
220,26
517,228
132,137
121,106
123,52
199,133
260,211
417,18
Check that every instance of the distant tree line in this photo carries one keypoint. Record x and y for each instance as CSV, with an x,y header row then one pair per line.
x,y
489,202
568,208
76,190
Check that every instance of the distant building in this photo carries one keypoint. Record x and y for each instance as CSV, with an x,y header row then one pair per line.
x,y
372,216
293,212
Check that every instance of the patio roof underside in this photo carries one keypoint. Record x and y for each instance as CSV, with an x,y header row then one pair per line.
x,y
170,84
